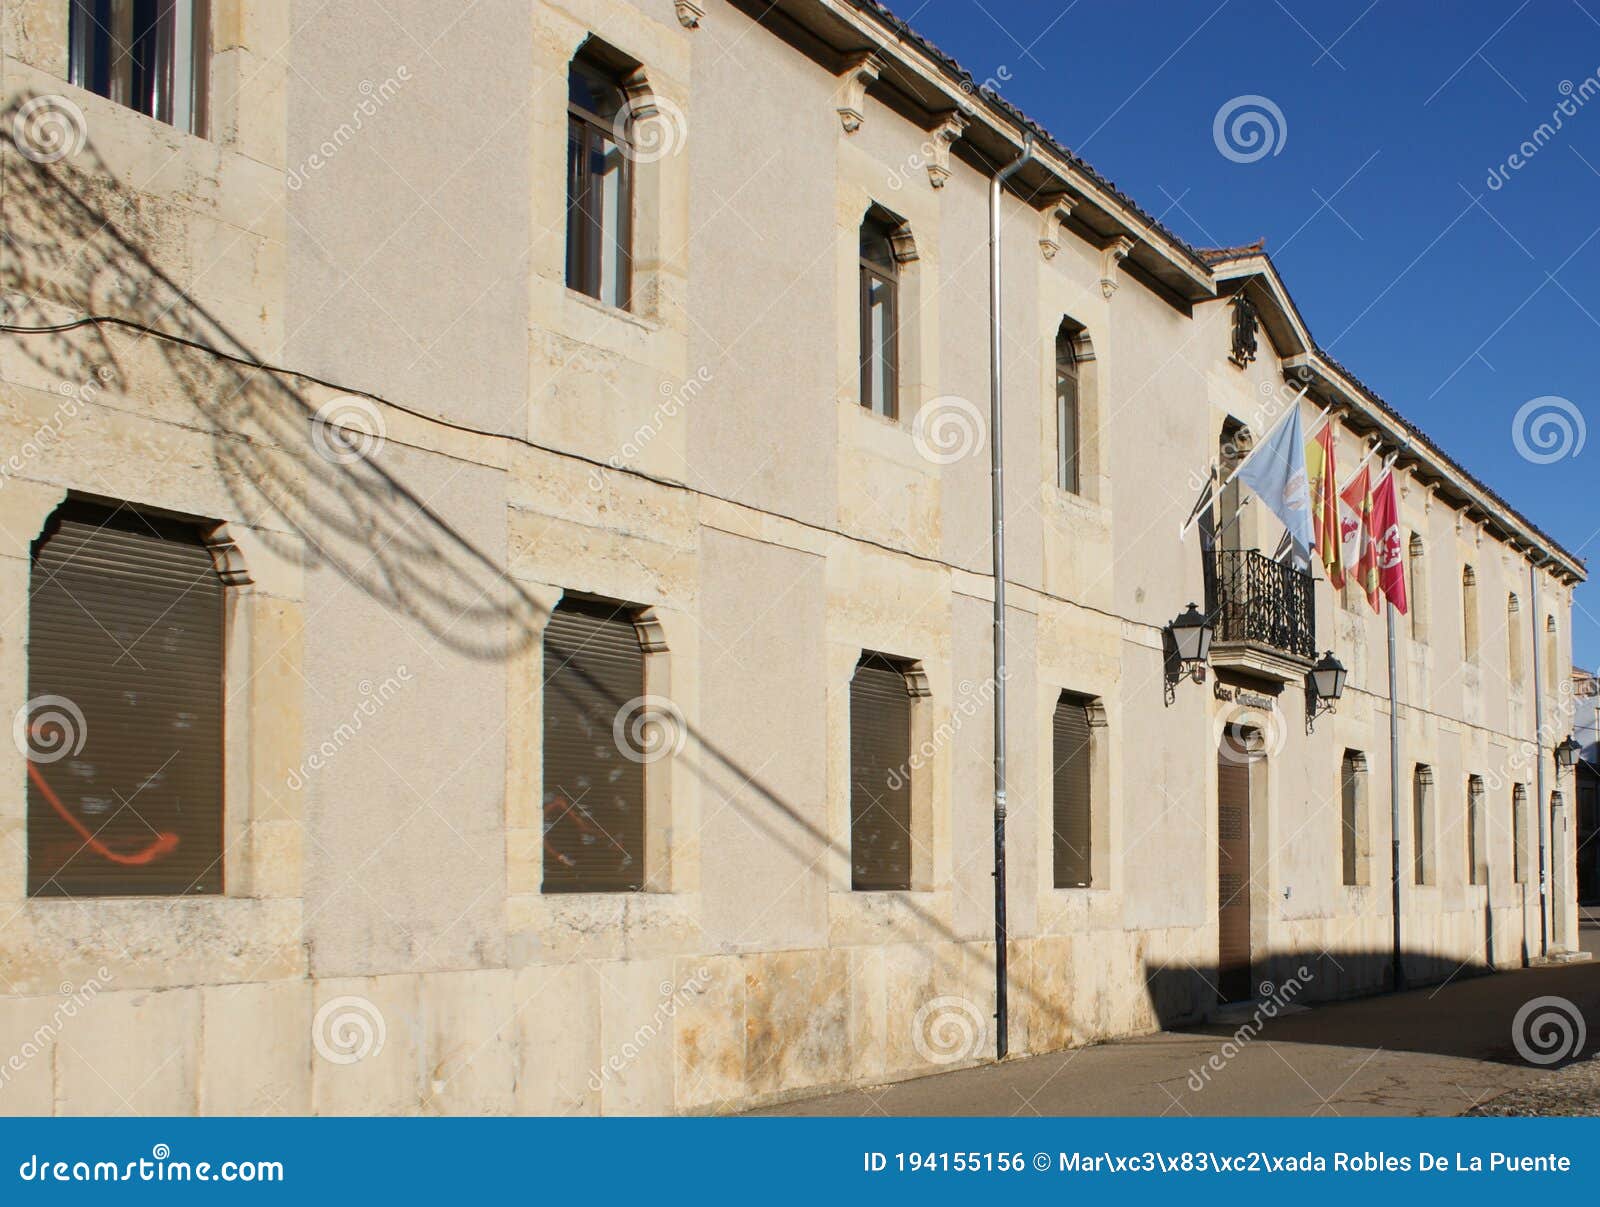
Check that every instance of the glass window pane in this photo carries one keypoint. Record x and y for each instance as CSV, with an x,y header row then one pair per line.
x,y
880,332
611,214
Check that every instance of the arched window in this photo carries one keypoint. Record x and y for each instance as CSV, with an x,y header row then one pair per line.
x,y
598,739
1418,599
880,315
125,706
599,178
1068,416
1514,667
1469,614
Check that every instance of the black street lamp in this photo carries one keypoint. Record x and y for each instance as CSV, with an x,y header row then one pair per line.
x,y
1324,686
1567,754
1189,649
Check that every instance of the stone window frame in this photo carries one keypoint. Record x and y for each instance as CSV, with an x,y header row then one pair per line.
x,y
1089,459
1516,657
662,874
1360,829
925,744
1100,769
1417,568
1477,832
915,218
1424,805
262,807
652,71
1471,631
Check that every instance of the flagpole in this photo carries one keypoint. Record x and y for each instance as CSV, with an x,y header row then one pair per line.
x,y
1399,975
1371,452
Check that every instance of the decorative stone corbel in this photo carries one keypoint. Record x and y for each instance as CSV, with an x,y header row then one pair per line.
x,y
1111,255
945,135
917,683
641,100
902,244
860,72
689,13
1057,209
652,637
226,557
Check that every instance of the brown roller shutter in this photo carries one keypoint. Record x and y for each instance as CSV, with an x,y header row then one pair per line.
x,y
880,776
1072,808
1349,802
593,792
125,623
1233,868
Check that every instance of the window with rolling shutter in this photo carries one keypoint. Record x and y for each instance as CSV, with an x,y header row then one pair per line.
x,y
594,824
1352,817
124,716
1519,832
1422,864
880,776
1072,825
1477,833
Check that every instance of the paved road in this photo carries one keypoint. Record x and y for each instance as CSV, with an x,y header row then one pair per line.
x,y
1439,1051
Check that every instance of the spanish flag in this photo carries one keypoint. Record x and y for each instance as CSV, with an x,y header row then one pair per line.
x,y
1323,478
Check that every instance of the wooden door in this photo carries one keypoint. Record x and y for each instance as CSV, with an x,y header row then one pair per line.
x,y
1233,868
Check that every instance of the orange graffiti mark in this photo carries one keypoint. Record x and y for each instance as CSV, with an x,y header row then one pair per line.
x,y
164,844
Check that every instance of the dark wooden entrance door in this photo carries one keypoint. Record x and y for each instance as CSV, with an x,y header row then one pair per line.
x,y
1233,866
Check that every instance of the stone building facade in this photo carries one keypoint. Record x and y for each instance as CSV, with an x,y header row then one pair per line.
x,y
341,337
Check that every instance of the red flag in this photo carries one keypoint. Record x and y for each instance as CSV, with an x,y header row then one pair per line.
x,y
1355,526
1386,542
1324,476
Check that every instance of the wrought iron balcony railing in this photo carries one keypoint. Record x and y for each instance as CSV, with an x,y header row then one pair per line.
x,y
1256,599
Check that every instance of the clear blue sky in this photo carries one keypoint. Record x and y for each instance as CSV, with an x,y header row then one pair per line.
x,y
1458,303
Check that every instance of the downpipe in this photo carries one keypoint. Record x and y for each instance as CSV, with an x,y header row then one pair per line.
x,y
998,540
1537,652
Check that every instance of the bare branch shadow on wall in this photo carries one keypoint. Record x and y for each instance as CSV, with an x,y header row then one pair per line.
x,y
74,263
77,267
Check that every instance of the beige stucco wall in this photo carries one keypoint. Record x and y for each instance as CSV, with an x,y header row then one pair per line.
x,y
706,457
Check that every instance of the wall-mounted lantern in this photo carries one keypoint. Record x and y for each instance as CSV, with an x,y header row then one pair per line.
x,y
1188,648
1567,754
1324,686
